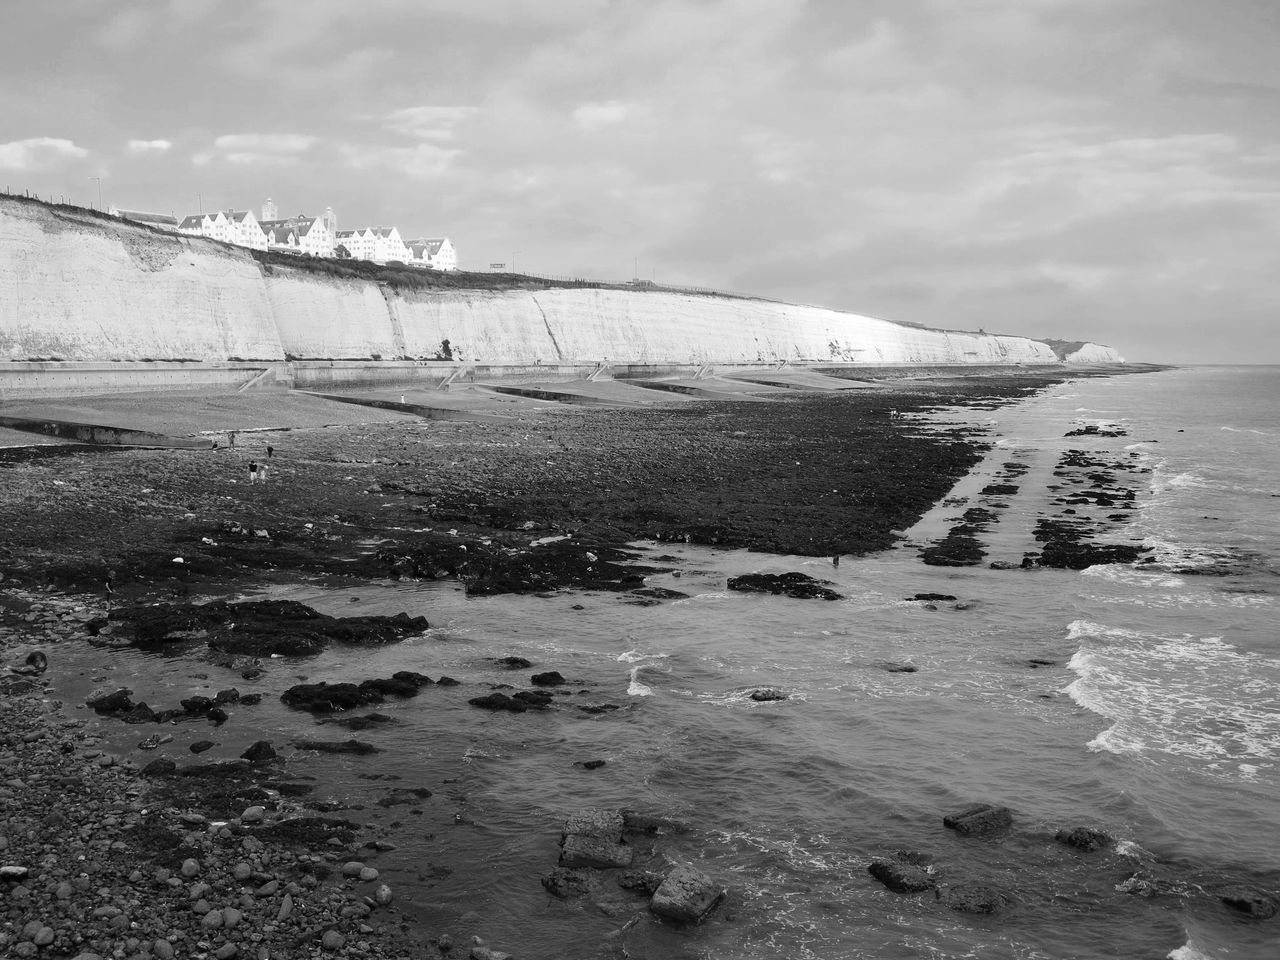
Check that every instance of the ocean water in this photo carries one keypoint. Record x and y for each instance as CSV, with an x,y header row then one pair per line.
x,y
1142,700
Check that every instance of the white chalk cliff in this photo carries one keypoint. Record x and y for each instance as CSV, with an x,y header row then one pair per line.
x,y
75,287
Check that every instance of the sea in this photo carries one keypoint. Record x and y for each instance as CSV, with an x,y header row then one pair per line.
x,y
1141,700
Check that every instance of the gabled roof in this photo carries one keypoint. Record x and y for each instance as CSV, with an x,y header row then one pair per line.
x,y
239,215
384,231
432,244
192,222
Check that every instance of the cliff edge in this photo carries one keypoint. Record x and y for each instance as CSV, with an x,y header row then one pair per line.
x,y
79,286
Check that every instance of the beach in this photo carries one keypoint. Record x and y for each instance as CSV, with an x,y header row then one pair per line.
x,y
499,533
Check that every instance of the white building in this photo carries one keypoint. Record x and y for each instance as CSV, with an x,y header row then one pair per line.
x,y
437,253
300,234
388,245
214,225
358,243
230,226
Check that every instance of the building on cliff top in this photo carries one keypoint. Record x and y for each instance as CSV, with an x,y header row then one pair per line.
x,y
436,253
161,221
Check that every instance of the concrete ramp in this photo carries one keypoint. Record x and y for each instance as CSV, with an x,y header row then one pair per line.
x,y
602,392
701,389
101,435
791,378
433,411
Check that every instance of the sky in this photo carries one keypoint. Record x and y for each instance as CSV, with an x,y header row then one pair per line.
x,y
1103,170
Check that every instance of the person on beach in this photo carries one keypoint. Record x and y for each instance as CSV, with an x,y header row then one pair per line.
x,y
253,471
106,586
270,451
262,473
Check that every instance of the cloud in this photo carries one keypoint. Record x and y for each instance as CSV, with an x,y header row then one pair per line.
x,y
148,146
427,122
426,161
38,152
243,149
591,116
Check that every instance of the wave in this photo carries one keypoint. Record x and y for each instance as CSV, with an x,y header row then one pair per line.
x,y
1190,951
1195,698
1261,433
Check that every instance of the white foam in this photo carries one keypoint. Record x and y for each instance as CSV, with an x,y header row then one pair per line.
x,y
638,656
1190,951
1134,576
637,689
1261,433
1196,698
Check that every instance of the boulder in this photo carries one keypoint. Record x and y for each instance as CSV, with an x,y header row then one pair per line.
x,y
796,585
593,838
160,767
564,883
901,877
259,752
1246,900
498,701
686,895
983,818
766,694
1084,838
551,678
976,898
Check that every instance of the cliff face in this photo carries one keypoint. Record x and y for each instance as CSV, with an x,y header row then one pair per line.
x,y
77,287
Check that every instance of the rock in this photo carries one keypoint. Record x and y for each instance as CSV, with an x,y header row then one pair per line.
x,y
260,752
686,895
1246,900
117,702
1083,838
641,881
226,951
242,871
766,694
333,940
253,814
796,585
498,701
218,716
357,747
382,896
976,898
983,818
159,767
901,877
589,764
352,868
190,867
564,883
901,668
932,596
13,873
163,949
200,746
513,663
551,678
286,908
593,838
368,875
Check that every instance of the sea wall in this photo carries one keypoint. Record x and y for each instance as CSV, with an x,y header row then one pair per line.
x,y
75,287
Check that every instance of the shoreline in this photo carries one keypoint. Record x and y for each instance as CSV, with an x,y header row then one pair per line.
x,y
333,483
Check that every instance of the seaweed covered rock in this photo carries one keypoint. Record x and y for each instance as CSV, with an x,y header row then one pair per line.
x,y
797,585
257,627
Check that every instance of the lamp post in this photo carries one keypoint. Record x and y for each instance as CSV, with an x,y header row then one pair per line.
x,y
199,204
99,179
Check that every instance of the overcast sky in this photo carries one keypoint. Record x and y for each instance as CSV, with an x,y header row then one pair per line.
x,y
1082,169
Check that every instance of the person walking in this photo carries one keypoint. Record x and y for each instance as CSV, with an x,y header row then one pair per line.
x,y
253,471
